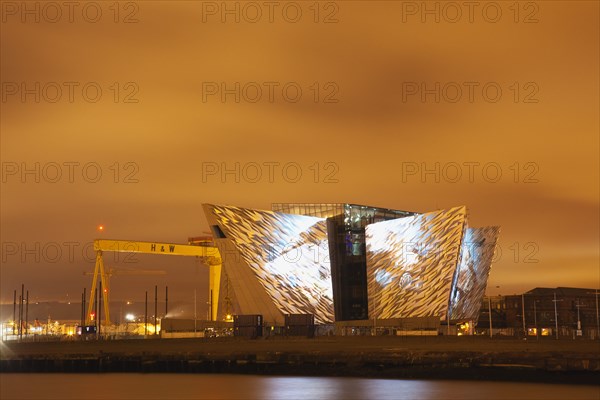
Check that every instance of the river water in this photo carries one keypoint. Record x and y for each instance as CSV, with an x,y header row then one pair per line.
x,y
223,386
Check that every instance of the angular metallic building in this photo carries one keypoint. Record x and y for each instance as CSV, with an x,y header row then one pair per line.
x,y
351,262
346,224
411,263
276,263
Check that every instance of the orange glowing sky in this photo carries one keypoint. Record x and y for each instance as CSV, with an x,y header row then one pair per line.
x,y
542,134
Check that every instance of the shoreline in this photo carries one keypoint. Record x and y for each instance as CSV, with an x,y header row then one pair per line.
x,y
575,362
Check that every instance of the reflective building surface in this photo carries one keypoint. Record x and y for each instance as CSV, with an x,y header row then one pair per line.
x,y
411,263
472,273
344,262
284,264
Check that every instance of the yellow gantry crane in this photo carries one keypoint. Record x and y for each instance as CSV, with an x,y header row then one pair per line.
x,y
203,249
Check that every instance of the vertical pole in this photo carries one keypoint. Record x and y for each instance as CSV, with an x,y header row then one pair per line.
x,y
81,312
597,318
195,313
211,306
96,309
155,308
227,302
490,314
84,316
99,308
19,332
578,319
27,314
21,310
166,300
523,312
555,316
19,326
15,310
146,316
535,319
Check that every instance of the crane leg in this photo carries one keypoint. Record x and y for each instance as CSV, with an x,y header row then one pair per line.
x,y
91,303
104,280
214,282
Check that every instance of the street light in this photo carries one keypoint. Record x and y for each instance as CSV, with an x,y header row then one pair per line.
x,y
556,315
523,312
490,314
535,319
534,314
597,319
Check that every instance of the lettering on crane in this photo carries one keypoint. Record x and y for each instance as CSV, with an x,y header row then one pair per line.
x,y
162,248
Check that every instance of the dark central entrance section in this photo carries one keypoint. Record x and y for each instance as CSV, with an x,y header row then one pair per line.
x,y
347,249
348,258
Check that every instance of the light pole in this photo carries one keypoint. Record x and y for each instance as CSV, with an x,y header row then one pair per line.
x,y
597,316
534,314
523,312
556,315
535,319
490,314
146,317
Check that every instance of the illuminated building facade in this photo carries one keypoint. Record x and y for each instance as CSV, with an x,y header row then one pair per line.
x,y
411,263
345,262
276,263
476,256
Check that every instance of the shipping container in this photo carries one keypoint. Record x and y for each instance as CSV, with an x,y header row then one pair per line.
x,y
247,320
251,332
299,319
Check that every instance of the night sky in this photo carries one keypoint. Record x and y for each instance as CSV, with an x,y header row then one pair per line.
x,y
127,116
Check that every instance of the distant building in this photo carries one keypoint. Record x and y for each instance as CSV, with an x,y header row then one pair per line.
x,y
573,310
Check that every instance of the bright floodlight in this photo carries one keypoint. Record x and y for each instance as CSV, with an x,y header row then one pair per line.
x,y
130,317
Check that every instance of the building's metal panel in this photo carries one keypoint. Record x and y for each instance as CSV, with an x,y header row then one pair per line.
x,y
287,254
473,270
245,293
411,262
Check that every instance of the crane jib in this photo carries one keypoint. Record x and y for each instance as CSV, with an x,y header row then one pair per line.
x,y
132,246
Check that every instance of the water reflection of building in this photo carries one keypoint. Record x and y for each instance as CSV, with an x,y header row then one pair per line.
x,y
573,310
